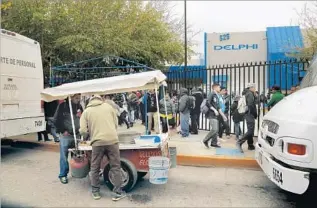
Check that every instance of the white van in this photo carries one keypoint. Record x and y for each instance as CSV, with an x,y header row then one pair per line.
x,y
287,140
21,82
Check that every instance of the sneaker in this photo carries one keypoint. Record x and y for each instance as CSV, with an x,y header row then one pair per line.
x,y
215,145
63,180
119,196
239,147
56,140
96,195
251,147
205,144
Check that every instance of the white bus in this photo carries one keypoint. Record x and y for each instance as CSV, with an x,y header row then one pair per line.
x,y
21,81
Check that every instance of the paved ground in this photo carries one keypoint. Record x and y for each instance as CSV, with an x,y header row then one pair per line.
x,y
29,178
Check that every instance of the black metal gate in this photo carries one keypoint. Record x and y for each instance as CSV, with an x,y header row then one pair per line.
x,y
285,74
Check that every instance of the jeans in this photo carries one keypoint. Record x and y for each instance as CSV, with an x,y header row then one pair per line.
x,y
65,143
223,125
142,110
131,116
212,135
52,127
113,154
194,123
250,132
184,120
237,130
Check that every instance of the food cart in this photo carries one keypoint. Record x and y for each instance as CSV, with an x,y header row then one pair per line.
x,y
134,157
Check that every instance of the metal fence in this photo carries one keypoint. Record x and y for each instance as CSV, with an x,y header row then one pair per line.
x,y
285,74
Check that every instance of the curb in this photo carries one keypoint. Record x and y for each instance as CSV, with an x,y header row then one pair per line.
x,y
184,160
217,161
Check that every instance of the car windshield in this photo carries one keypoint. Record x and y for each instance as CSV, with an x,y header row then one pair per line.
x,y
310,78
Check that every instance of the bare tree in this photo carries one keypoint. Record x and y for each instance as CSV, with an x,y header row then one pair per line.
x,y
308,21
176,23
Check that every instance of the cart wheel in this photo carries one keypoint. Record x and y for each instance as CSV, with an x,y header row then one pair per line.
x,y
141,175
129,175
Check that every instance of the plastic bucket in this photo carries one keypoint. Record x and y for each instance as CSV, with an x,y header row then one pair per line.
x,y
173,156
158,169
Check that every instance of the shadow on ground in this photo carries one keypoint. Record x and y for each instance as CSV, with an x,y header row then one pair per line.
x,y
18,146
300,201
5,204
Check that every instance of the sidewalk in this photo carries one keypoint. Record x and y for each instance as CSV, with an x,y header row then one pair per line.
x,y
190,150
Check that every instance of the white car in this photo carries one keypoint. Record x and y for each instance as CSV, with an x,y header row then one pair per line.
x,y
287,140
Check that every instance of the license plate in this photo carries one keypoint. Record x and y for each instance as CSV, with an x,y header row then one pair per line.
x,y
277,176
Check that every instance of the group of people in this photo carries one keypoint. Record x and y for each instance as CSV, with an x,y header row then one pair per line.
x,y
243,108
216,110
102,115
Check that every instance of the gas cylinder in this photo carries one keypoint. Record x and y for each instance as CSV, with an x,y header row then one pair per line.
x,y
79,166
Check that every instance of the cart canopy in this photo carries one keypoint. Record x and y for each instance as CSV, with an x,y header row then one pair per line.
x,y
109,85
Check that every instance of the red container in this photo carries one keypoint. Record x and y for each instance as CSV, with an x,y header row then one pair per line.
x,y
79,166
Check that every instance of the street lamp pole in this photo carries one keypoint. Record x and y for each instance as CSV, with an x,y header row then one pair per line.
x,y
185,37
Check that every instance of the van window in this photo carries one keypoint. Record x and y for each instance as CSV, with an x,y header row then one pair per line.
x,y
310,78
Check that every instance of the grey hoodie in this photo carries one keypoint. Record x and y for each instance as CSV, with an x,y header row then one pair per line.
x,y
183,101
170,107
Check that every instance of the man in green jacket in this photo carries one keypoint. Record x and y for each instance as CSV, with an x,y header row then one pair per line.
x,y
277,96
100,122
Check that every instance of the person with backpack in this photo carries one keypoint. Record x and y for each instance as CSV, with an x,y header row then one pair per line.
x,y
236,116
247,106
211,108
185,106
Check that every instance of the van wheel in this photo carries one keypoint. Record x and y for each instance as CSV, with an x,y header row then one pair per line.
x,y
128,172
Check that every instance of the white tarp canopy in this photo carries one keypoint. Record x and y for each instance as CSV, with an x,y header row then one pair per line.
x,y
118,84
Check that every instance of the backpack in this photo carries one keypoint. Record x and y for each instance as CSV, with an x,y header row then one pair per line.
x,y
242,105
191,102
203,107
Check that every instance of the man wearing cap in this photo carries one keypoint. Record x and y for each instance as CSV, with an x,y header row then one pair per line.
x,y
249,116
277,96
100,122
